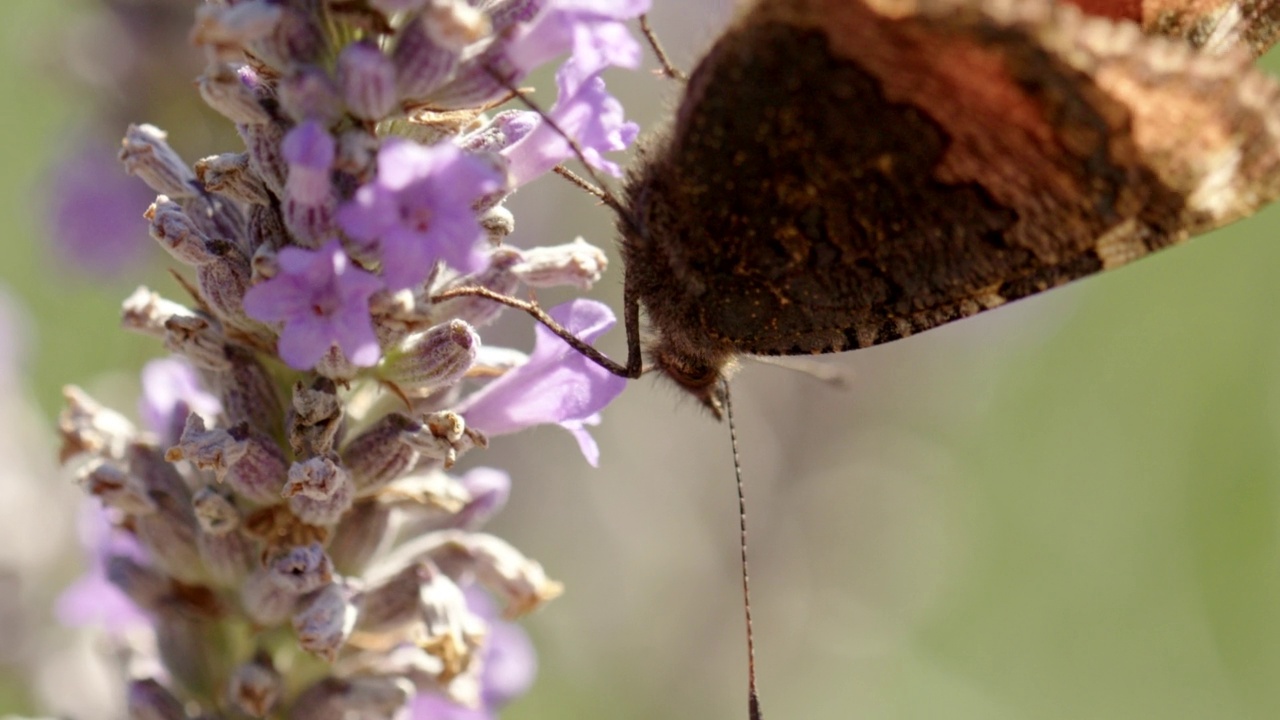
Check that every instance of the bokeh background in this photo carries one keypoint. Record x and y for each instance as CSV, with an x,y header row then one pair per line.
x,y
1067,508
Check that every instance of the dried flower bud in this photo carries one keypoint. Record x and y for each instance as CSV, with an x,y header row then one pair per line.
x,y
224,90
308,93
315,418
301,569
498,566
146,155
176,232
88,428
446,438
224,32
382,453
319,491
255,687
213,450
422,64
183,638
230,174
146,312
454,24
325,620
432,359
579,264
112,483
367,80
149,700
259,473
199,340
393,605
450,630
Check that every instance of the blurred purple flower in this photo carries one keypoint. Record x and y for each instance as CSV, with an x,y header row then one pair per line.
x,y
93,212
557,385
593,30
93,600
171,391
586,112
323,300
419,210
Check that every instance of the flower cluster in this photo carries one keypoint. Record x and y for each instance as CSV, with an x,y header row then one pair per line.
x,y
281,535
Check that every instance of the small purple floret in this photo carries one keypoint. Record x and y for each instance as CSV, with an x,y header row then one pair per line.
x,y
323,300
557,385
586,112
419,210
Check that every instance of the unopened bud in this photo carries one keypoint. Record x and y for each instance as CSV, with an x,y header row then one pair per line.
x,y
325,620
421,63
147,155
176,232
382,453
361,533
225,32
367,80
224,90
227,554
229,175
263,141
331,697
433,359
579,264
310,94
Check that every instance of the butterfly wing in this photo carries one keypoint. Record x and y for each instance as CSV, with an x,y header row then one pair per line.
x,y
844,173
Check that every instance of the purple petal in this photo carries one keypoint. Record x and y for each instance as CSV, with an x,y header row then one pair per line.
x,y
557,384
171,390
93,600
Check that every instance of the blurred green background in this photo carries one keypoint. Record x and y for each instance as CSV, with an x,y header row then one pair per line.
x,y
1064,509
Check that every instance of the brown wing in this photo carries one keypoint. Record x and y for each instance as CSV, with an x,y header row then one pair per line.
x,y
845,173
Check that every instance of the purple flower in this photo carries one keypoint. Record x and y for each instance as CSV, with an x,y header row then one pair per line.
x,y
309,149
170,391
557,385
586,112
323,300
419,209
93,212
592,29
93,600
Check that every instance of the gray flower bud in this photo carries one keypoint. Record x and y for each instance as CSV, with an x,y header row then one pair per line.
x,y
146,155
433,359
325,620
499,277
578,264
367,80
319,491
230,174
223,90
224,32
301,569
315,418
366,697
362,532
382,453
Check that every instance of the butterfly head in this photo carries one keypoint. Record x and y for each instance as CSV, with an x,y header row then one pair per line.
x,y
705,379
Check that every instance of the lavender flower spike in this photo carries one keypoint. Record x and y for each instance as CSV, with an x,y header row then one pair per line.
x,y
293,473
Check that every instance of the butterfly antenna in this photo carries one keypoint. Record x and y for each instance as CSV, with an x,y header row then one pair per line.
x,y
753,693
668,69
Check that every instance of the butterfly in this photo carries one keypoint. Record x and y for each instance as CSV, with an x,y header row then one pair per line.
x,y
844,173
